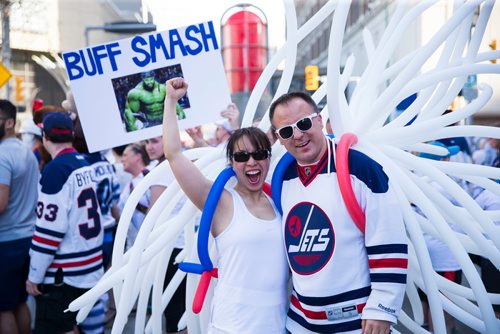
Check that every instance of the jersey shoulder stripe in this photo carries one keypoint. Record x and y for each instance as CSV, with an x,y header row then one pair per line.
x,y
388,278
43,250
368,171
42,230
389,248
92,158
361,166
56,173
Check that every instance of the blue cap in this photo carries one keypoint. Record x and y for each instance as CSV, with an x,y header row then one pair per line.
x,y
57,123
452,150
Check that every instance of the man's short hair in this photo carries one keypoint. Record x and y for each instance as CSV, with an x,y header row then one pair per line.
x,y
287,97
141,150
7,109
58,127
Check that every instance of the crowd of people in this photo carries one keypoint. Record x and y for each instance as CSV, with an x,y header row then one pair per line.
x,y
60,206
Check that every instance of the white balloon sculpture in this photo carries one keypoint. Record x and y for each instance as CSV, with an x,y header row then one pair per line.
x,y
142,269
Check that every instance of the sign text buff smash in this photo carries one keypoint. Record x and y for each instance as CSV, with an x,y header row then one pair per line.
x,y
148,49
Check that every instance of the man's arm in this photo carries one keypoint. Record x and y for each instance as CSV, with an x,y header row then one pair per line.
x,y
50,228
4,197
385,243
132,105
387,251
156,191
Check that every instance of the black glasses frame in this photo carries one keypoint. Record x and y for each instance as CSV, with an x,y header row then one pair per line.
x,y
244,156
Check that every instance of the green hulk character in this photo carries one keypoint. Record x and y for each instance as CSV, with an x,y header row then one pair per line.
x,y
144,106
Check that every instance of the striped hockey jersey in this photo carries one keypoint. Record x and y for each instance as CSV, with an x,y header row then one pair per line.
x,y
68,231
341,275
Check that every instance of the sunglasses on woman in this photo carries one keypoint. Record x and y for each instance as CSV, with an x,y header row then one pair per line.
x,y
244,156
304,124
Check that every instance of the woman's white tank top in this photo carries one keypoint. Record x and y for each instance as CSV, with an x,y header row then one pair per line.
x,y
251,294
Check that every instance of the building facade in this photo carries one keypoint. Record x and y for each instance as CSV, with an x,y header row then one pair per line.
x,y
45,29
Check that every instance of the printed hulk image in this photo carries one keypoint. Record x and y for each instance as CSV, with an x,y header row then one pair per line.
x,y
140,98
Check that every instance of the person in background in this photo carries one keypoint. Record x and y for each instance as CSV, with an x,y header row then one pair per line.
x,y
443,261
18,197
491,149
115,157
251,291
108,193
66,249
487,200
38,115
177,305
330,294
31,135
223,129
135,160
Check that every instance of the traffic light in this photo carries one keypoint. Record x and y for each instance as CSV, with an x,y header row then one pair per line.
x,y
493,46
312,77
19,89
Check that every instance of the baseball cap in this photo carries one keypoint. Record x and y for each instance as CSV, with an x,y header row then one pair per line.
x,y
452,150
57,123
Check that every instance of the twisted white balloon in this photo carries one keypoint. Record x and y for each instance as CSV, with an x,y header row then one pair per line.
x,y
383,84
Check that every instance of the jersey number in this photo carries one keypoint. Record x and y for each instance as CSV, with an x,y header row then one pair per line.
x,y
88,230
51,211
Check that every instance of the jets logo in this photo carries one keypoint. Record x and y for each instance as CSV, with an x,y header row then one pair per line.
x,y
309,238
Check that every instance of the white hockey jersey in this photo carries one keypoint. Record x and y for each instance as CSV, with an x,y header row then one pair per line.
x,y
341,275
68,232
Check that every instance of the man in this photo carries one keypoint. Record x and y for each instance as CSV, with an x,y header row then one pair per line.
x,y
344,279
144,106
491,152
18,195
66,250
442,259
135,160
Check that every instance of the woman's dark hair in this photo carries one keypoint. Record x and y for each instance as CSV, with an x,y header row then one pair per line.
x,y
79,142
256,136
139,149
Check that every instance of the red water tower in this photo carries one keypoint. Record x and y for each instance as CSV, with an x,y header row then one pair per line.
x,y
244,46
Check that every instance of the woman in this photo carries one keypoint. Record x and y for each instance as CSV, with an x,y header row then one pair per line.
x,y
251,292
177,305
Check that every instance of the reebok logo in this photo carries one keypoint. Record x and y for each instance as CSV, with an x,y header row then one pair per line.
x,y
386,309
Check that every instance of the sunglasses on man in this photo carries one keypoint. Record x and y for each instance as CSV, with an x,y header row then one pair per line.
x,y
244,156
304,124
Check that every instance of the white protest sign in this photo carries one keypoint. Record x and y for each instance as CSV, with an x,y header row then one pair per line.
x,y
119,86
